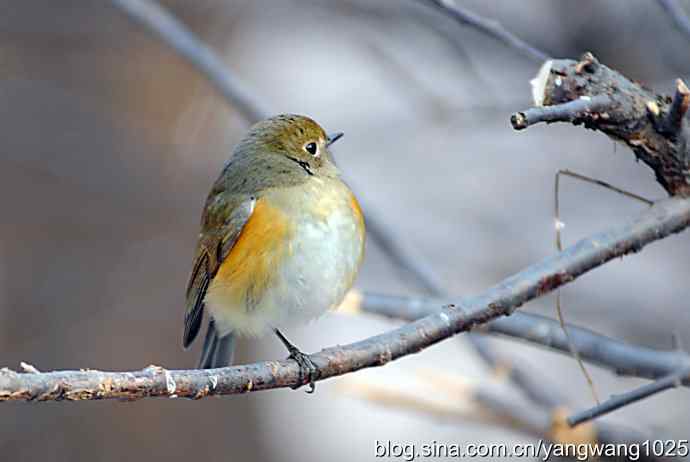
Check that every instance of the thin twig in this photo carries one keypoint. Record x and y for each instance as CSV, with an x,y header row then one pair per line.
x,y
677,15
487,26
664,218
172,32
603,184
618,401
558,225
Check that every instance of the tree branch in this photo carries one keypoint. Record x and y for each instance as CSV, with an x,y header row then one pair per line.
x,y
617,356
664,218
587,92
457,397
487,26
677,15
165,26
674,380
572,111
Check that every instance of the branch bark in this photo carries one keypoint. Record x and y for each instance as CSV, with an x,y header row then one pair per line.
x,y
664,218
586,92
674,380
619,357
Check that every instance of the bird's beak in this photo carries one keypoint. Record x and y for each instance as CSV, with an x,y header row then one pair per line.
x,y
333,137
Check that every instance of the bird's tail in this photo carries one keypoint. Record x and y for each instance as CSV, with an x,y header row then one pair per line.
x,y
217,351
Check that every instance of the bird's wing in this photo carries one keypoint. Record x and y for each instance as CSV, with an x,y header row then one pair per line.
x,y
218,236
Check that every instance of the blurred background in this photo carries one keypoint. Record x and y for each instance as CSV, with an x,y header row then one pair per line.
x,y
109,144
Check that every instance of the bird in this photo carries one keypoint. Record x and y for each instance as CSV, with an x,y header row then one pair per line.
x,y
281,242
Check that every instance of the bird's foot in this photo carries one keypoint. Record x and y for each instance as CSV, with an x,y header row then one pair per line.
x,y
308,372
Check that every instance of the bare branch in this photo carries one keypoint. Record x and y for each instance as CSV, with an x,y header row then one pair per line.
x,y
573,111
460,398
664,218
677,15
617,356
390,244
425,276
618,401
172,32
589,93
487,26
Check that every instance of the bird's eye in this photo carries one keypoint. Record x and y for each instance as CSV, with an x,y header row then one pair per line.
x,y
311,148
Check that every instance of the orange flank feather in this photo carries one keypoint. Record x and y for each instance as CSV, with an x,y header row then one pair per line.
x,y
361,229
247,271
358,213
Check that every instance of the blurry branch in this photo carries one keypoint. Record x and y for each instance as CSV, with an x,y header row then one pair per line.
x,y
617,356
588,93
677,15
487,26
456,397
531,384
664,218
674,380
158,21
420,97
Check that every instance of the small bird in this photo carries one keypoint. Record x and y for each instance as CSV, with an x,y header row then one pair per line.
x,y
281,241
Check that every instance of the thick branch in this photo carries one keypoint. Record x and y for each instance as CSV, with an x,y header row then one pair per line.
x,y
664,218
615,355
586,92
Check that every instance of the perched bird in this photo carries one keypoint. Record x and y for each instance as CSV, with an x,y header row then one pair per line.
x,y
281,241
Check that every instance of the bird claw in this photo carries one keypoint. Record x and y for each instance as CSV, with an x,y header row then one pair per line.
x,y
308,372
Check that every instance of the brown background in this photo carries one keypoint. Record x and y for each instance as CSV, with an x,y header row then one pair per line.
x,y
109,142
